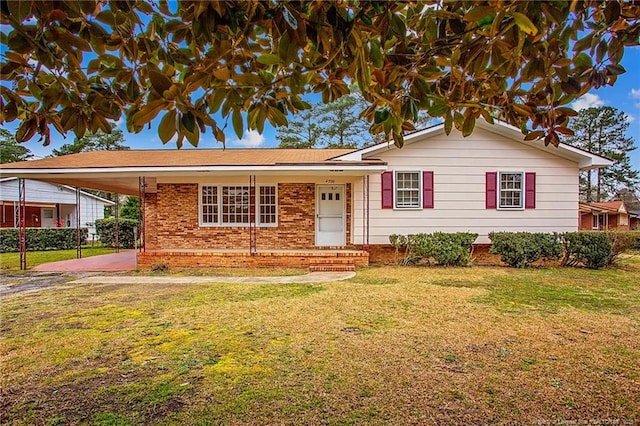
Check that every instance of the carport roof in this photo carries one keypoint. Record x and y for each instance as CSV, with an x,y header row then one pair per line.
x,y
118,171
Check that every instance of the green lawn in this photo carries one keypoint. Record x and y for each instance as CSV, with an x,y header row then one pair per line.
x,y
393,345
11,261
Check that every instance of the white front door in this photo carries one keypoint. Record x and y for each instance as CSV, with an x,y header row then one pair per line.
x,y
330,205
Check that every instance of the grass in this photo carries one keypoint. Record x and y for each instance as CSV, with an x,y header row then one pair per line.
x,y
394,345
10,262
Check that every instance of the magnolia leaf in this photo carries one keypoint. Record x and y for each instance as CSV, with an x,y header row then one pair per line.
x,y
524,23
269,59
478,13
534,135
159,81
167,127
468,125
188,122
238,124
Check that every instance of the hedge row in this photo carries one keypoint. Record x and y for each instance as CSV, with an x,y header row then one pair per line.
x,y
593,250
105,228
438,248
41,239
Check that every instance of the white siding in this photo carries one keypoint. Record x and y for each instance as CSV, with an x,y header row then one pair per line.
x,y
459,165
44,193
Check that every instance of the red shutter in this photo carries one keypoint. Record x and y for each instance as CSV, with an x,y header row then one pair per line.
x,y
427,190
387,190
530,191
491,179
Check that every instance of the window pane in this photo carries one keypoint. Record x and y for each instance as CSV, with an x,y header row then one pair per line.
x,y
209,204
235,204
267,206
511,190
407,190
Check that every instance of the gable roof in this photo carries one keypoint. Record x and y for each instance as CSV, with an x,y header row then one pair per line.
x,y
586,160
616,206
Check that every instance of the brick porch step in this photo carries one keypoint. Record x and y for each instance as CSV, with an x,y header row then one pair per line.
x,y
332,267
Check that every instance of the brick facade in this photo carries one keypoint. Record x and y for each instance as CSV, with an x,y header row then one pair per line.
x,y
172,222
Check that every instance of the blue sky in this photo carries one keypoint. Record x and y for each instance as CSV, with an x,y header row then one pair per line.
x,y
625,96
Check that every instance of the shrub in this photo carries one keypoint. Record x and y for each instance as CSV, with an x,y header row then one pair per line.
x,y
439,248
446,249
521,249
41,239
592,249
105,228
622,241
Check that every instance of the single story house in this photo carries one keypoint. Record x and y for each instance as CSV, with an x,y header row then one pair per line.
x,y
49,205
329,208
610,215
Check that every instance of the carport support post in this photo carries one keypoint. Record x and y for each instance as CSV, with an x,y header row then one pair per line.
x,y
22,223
117,223
78,235
141,191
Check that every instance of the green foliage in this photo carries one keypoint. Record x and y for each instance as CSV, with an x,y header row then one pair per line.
x,y
41,239
447,249
131,209
521,249
78,66
603,131
592,249
106,232
10,150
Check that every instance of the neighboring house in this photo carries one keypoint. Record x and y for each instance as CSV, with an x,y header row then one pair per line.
x,y
315,207
610,215
49,205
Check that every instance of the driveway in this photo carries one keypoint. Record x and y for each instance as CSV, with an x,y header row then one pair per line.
x,y
123,261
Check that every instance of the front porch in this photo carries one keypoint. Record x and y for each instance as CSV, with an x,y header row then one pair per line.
x,y
313,259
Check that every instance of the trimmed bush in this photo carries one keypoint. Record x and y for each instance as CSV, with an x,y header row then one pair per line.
x,y
440,248
41,239
521,249
592,249
105,228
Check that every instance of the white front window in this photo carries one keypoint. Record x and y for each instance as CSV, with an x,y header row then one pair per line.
x,y
511,194
209,205
407,194
268,205
229,205
235,205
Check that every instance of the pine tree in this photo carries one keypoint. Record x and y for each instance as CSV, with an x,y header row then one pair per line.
x,y
602,131
341,125
302,131
10,150
94,142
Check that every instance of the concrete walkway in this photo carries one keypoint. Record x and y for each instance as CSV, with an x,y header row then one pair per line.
x,y
123,261
312,277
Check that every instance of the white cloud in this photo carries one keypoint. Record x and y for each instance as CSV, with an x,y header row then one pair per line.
x,y
634,94
631,118
251,139
588,100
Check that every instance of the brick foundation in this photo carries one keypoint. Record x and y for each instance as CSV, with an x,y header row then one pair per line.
x,y
282,259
